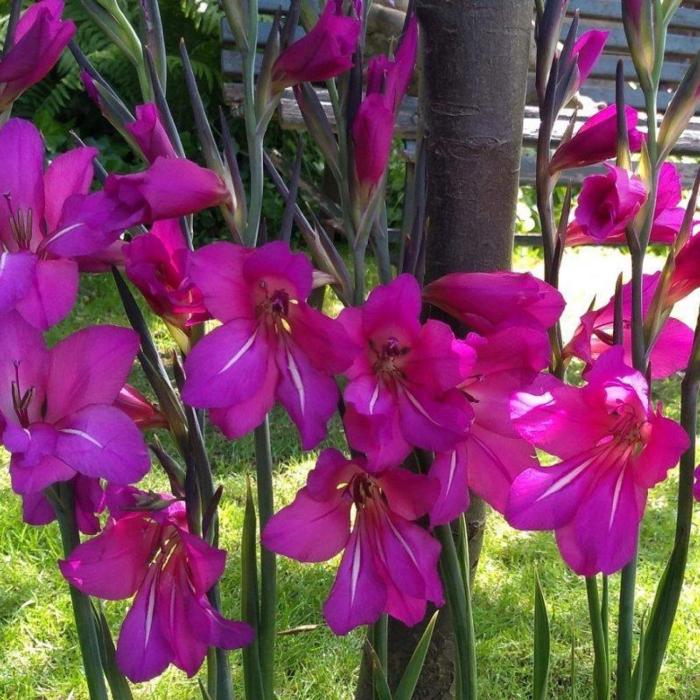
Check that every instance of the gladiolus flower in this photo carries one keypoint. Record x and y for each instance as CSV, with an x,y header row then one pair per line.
x,y
487,301
596,140
613,448
402,385
144,414
88,500
324,53
39,40
493,453
157,264
373,126
272,344
594,336
38,282
153,555
608,203
150,134
56,406
668,216
389,563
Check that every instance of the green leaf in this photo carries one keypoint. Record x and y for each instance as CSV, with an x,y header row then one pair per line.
x,y
117,682
249,599
409,680
381,684
541,645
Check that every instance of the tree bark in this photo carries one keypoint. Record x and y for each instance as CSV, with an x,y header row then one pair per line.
x,y
475,78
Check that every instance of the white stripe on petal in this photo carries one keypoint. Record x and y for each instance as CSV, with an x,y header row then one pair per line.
x,y
82,434
616,498
296,379
240,353
3,261
566,479
418,406
373,400
355,573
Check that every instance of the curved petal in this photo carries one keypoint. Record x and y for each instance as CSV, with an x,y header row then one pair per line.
x,y
666,442
309,530
217,271
277,262
358,595
227,366
322,339
52,293
379,437
557,417
68,174
205,563
106,353
432,422
450,470
309,396
102,441
494,461
113,564
237,421
16,276
545,498
603,536
143,651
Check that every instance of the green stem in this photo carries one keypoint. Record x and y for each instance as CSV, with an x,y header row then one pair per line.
x,y
625,630
82,610
457,592
668,593
268,560
601,673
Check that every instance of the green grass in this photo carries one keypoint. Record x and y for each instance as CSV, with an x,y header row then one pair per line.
x,y
39,656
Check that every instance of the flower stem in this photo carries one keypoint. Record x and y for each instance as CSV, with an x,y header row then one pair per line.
x,y
268,560
668,592
458,594
62,499
601,673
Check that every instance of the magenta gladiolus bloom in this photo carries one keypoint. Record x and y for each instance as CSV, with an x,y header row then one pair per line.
x,y
402,385
668,216
324,53
89,502
586,52
150,134
686,274
157,264
389,563
373,126
168,189
493,453
272,344
613,448
609,202
35,279
596,140
39,39
151,554
56,406
487,301
594,336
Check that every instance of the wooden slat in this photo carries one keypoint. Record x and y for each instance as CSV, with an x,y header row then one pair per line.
x,y
676,44
264,28
606,66
683,18
232,64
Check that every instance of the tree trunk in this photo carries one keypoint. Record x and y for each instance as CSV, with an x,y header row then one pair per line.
x,y
475,73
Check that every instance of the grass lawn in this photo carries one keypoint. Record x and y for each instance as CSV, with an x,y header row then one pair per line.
x,y
39,656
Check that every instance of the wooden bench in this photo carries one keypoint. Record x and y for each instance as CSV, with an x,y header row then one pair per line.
x,y
682,44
